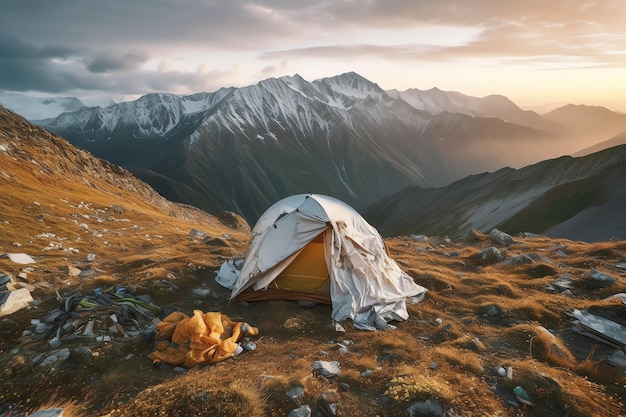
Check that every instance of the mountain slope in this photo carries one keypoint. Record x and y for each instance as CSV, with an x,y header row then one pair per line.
x,y
576,198
436,101
241,149
595,122
611,143
48,184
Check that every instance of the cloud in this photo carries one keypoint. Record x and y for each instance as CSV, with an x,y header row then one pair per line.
x,y
111,62
73,44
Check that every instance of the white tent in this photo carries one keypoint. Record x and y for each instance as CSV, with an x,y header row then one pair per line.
x,y
317,248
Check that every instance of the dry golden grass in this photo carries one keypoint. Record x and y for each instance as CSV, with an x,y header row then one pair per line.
x,y
141,241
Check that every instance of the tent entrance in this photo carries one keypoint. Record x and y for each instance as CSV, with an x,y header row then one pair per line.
x,y
308,271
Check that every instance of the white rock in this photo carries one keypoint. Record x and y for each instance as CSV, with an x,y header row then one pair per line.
x,y
15,300
327,369
19,258
201,292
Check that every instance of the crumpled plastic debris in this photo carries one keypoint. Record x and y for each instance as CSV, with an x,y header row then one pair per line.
x,y
116,306
203,338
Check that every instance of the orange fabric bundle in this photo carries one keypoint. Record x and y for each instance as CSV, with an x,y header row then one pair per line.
x,y
202,338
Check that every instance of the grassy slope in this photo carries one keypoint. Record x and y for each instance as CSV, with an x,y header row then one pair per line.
x,y
147,240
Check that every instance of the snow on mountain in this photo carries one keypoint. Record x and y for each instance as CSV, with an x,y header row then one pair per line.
x,y
37,108
243,148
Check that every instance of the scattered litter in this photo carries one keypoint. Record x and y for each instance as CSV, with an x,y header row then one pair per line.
x,y
522,395
498,370
229,273
203,338
599,328
78,314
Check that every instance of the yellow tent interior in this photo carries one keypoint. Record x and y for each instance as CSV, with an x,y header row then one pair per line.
x,y
305,277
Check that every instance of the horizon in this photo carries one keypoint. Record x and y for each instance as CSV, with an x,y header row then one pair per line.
x,y
105,101
541,56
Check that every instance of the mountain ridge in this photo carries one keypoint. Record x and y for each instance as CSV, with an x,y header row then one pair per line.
x,y
247,147
551,197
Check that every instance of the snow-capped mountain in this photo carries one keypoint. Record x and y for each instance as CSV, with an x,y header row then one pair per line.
x,y
36,108
241,149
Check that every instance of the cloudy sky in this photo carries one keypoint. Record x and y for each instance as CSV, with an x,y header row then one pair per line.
x,y
536,52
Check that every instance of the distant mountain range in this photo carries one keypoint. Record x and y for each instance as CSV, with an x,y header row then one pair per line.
x,y
36,109
241,149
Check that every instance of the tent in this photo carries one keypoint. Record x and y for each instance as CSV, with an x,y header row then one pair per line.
x,y
317,248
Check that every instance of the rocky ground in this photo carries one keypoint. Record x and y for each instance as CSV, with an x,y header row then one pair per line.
x,y
496,335
91,259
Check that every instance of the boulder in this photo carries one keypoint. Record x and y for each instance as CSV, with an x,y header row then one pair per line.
x,y
13,301
500,238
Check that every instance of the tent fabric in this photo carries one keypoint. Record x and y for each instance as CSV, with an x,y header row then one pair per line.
x,y
365,284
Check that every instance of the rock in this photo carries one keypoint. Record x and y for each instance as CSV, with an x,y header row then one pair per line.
x,y
233,220
500,238
87,273
490,256
597,279
326,369
14,301
619,296
302,411
476,345
565,282
19,258
561,253
429,408
327,404
339,328
418,238
517,260
73,271
4,278
491,310
295,393
196,233
216,241
201,292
